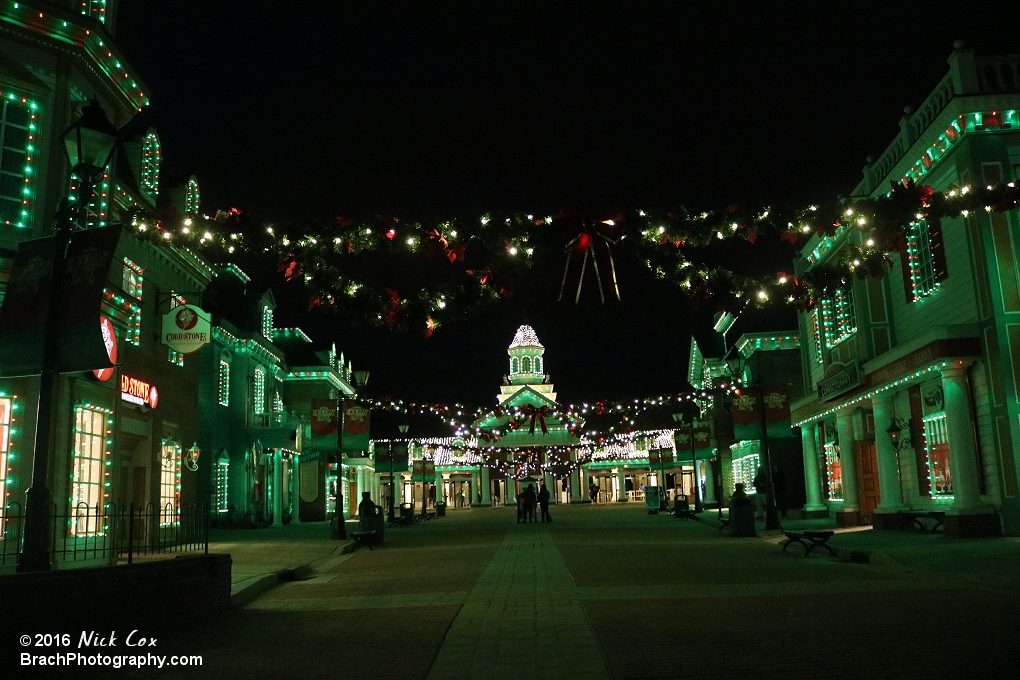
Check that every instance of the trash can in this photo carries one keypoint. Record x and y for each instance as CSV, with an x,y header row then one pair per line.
x,y
741,513
440,509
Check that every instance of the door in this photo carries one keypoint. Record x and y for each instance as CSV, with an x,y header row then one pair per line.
x,y
867,479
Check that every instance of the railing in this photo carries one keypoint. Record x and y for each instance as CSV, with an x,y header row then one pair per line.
x,y
108,533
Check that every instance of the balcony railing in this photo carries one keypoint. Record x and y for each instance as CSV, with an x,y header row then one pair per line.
x,y
95,533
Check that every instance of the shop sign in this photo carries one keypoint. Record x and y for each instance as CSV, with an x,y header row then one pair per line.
x,y
138,391
186,329
848,378
110,342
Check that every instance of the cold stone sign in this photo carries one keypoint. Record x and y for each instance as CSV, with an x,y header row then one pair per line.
x,y
186,329
138,391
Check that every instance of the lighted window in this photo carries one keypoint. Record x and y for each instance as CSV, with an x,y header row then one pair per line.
x,y
833,472
538,365
514,368
745,464
132,279
839,319
126,315
95,9
936,445
267,322
192,197
88,474
816,332
525,364
222,477
6,406
925,265
169,482
259,391
277,408
17,139
150,164
223,383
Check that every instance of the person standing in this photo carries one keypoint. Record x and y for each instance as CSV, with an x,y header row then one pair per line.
x,y
593,492
528,501
760,493
543,502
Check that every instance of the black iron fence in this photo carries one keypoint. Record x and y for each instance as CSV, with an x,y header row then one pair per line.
x,y
107,532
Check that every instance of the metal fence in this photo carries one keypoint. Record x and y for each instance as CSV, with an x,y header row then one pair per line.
x,y
108,533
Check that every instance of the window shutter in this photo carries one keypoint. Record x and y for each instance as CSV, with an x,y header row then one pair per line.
x,y
908,285
938,250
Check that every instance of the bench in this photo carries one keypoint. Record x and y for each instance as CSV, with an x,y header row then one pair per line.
x,y
370,529
912,519
362,537
810,540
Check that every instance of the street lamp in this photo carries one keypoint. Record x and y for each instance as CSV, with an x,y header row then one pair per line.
x,y
679,418
89,142
360,380
897,426
403,427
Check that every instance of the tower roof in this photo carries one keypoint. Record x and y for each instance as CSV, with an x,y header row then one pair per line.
x,y
525,337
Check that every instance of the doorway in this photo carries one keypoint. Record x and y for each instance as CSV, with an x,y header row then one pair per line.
x,y
867,479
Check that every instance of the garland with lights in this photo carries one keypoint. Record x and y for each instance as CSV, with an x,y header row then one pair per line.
x,y
478,260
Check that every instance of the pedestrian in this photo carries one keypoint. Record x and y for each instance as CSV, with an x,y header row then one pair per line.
x,y
760,493
528,501
432,495
520,507
779,489
543,502
593,492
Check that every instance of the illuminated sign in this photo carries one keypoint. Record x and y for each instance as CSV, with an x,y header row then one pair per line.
x,y
138,391
110,341
186,329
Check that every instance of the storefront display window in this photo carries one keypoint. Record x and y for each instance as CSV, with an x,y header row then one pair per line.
x,y
88,475
6,406
833,472
936,441
169,483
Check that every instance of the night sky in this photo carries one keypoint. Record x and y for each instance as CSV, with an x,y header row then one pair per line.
x,y
292,110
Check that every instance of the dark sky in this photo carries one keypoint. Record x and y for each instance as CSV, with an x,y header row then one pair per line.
x,y
315,109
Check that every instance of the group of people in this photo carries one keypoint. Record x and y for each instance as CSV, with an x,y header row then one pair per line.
x,y
526,501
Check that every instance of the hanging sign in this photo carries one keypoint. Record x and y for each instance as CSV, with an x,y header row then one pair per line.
x,y
390,460
138,391
426,468
186,329
110,341
754,406
660,456
356,419
324,426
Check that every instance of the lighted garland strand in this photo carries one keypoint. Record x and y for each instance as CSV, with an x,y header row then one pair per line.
x,y
482,257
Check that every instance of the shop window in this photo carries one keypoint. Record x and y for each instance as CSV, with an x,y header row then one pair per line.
x,y
6,406
833,471
222,478
132,279
17,138
745,464
839,318
169,483
936,446
88,471
223,383
924,262
259,391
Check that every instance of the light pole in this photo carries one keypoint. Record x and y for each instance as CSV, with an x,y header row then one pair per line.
x,y
403,427
89,143
771,513
360,380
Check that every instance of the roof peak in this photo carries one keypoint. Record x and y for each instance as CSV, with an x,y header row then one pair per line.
x,y
525,337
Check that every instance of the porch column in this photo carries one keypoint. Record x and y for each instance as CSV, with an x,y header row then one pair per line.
x,y
812,478
277,486
709,479
962,454
486,489
890,495
621,482
511,487
295,488
850,515
551,486
575,485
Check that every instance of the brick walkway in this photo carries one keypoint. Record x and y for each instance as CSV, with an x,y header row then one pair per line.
x,y
607,592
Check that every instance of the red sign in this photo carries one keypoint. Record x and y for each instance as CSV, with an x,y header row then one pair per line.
x,y
138,391
702,438
110,341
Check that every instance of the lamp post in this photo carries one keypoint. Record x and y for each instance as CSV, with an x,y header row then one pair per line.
x,y
771,513
89,142
360,380
679,418
403,427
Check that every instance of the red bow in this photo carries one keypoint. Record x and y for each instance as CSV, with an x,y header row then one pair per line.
x,y
538,414
594,238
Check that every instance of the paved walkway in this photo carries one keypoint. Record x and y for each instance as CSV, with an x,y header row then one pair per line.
x,y
605,592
